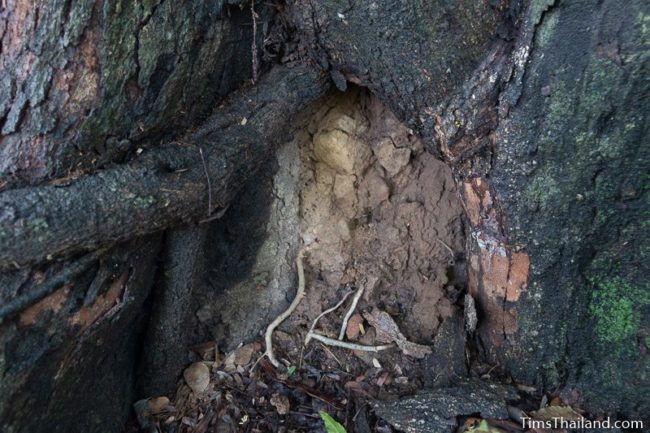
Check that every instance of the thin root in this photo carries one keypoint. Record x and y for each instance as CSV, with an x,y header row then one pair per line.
x,y
313,325
353,306
346,345
300,293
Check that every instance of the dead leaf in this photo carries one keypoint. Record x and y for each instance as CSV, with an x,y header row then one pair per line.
x,y
229,363
383,379
354,327
388,331
553,412
357,389
244,354
280,403
208,351
474,425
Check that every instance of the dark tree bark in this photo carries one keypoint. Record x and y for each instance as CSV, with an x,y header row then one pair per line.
x,y
539,107
186,180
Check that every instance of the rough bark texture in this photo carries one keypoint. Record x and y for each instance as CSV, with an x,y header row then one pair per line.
x,y
135,74
84,83
166,186
547,131
165,344
540,108
172,184
570,173
68,360
411,71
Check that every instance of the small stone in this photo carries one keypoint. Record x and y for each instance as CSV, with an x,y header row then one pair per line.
x,y
378,190
336,149
158,405
197,377
204,314
344,186
339,119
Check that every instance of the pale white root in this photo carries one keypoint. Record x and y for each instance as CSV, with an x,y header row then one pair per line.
x,y
353,307
300,293
313,325
344,344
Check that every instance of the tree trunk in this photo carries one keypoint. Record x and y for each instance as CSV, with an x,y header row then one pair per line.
x,y
539,107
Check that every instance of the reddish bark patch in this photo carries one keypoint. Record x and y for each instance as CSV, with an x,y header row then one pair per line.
x,y
497,275
481,206
51,303
504,275
104,303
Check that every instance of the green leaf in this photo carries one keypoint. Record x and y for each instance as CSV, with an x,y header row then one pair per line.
x,y
291,370
483,427
331,425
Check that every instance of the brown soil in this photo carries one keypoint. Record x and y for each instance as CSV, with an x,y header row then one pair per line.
x,y
374,212
377,213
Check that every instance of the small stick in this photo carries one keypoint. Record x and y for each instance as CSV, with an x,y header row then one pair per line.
x,y
300,293
313,325
446,246
207,178
353,306
254,43
346,345
326,349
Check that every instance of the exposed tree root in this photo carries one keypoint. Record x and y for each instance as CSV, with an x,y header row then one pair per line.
x,y
164,186
353,306
352,346
300,293
329,310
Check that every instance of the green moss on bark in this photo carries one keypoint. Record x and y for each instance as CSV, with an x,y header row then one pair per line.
x,y
615,305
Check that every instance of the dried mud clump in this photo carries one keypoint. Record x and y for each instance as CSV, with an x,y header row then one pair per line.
x,y
377,212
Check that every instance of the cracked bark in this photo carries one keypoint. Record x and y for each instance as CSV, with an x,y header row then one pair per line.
x,y
162,187
539,107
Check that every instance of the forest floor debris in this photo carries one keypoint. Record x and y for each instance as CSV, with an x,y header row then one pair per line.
x,y
381,309
234,398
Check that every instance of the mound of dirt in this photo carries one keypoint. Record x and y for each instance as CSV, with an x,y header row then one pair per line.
x,y
376,216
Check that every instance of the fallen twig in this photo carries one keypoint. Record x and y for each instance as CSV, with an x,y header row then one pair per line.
x,y
353,306
300,293
207,178
447,246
